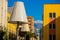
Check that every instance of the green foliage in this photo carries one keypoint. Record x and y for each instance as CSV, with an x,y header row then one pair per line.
x,y
30,34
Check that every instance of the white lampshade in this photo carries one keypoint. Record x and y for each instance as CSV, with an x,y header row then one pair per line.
x,y
19,13
25,28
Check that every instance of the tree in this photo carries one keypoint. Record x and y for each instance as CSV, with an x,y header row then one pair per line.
x,y
29,35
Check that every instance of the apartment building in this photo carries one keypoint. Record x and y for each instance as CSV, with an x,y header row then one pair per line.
x,y
31,23
11,29
51,22
3,13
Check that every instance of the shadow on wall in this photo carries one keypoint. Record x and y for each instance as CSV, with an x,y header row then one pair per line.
x,y
56,31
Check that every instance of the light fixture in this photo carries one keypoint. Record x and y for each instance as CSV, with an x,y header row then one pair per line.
x,y
19,17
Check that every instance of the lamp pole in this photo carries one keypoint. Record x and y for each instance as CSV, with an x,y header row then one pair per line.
x,y
17,28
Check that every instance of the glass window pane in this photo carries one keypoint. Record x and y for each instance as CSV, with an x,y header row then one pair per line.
x,y
53,26
54,14
50,15
50,26
54,37
50,37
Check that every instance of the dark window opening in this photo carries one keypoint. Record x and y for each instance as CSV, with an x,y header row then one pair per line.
x,y
52,15
52,26
52,37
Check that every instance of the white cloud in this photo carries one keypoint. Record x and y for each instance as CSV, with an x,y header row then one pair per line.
x,y
38,21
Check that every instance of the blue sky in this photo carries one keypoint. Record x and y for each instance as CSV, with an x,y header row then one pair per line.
x,y
34,8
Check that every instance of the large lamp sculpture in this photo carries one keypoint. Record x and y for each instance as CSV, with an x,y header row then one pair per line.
x,y
19,17
25,27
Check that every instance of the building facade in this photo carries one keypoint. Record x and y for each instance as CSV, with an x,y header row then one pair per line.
x,y
3,17
51,22
11,29
3,13
31,23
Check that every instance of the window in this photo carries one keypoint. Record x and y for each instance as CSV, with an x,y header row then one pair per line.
x,y
51,26
52,15
52,37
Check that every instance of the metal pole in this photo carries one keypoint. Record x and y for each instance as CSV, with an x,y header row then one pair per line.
x,y
17,31
25,36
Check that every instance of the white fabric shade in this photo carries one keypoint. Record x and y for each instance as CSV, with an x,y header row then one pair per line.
x,y
25,27
19,13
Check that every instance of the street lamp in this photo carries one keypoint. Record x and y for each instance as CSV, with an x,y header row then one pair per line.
x,y
24,30
25,27
19,16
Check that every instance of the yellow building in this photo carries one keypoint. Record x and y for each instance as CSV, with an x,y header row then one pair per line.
x,y
11,29
51,22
